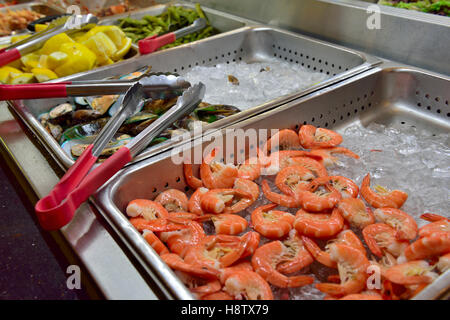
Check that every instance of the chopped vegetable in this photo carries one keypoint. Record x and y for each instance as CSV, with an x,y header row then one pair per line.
x,y
175,17
429,6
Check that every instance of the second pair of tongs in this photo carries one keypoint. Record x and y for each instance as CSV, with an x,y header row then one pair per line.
x,y
154,86
36,41
57,209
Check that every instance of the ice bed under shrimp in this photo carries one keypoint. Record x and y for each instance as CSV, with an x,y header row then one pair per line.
x,y
406,159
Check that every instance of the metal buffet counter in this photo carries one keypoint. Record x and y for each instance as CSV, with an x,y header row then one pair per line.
x,y
101,239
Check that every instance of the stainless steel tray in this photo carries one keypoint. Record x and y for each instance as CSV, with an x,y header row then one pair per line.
x,y
249,44
39,7
385,95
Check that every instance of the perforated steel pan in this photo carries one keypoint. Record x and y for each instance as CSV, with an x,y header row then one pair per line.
x,y
248,44
388,95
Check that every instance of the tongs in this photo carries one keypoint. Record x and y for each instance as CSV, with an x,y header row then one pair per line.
x,y
151,84
34,42
150,44
57,209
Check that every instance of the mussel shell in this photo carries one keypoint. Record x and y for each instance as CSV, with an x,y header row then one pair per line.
x,y
85,115
141,117
84,130
103,103
54,129
215,112
76,147
82,102
61,114
159,106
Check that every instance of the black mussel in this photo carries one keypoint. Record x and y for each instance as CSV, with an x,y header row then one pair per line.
x,y
61,114
134,125
54,129
159,106
103,103
84,130
215,112
85,115
77,146
44,118
82,102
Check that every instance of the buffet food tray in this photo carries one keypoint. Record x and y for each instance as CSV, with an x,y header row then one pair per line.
x,y
385,95
248,44
39,7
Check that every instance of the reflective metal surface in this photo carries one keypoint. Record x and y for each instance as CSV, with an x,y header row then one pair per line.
x,y
387,95
248,44
413,38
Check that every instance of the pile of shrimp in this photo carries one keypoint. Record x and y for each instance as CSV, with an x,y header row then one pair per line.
x,y
254,251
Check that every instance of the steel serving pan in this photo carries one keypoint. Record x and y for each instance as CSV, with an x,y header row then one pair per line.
x,y
248,44
386,95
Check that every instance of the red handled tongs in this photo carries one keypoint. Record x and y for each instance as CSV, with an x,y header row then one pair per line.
x,y
152,84
34,42
153,43
57,209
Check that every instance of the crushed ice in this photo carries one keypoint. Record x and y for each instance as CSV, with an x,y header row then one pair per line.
x,y
259,82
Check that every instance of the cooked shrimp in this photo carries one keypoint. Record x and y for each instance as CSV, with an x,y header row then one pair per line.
x,y
444,263
155,242
434,227
413,272
247,285
381,237
173,200
311,164
381,197
189,177
293,178
285,139
403,223
175,262
199,287
226,272
346,237
319,195
296,257
352,266
360,296
250,169
272,224
433,217
224,201
180,241
312,137
265,261
155,225
218,251
282,159
217,175
280,199
147,209
247,186
252,244
427,247
355,212
231,224
318,225
194,203
327,154
150,215
345,186
219,295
